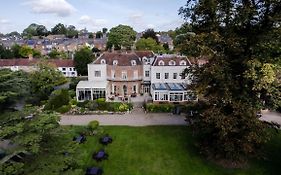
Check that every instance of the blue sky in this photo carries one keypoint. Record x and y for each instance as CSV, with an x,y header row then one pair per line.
x,y
15,15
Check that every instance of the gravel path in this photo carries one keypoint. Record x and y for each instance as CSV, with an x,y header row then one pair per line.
x,y
138,118
132,119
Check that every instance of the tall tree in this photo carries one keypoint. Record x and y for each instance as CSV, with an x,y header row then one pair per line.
x,y
240,40
149,33
59,29
82,58
41,30
71,32
104,30
99,35
44,80
121,36
149,44
30,30
13,86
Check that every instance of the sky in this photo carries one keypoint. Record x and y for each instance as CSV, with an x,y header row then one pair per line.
x,y
161,15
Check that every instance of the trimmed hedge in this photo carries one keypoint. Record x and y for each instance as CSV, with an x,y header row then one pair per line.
x,y
150,107
102,105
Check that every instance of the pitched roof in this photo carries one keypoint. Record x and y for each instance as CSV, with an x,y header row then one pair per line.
x,y
27,62
167,58
146,54
123,59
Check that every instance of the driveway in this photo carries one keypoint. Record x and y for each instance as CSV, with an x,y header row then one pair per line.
x,y
130,119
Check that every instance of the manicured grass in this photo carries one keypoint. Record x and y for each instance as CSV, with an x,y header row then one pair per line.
x,y
164,150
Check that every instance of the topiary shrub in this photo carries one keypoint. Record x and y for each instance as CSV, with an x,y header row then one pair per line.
x,y
93,126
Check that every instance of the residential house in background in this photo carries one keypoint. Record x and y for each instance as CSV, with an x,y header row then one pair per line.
x,y
65,66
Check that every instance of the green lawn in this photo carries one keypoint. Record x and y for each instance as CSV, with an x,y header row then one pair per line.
x,y
165,150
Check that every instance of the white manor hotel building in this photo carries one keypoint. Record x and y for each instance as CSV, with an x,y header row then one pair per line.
x,y
122,75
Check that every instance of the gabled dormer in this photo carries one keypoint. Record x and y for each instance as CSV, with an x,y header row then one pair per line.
x,y
115,62
172,63
133,62
103,61
161,63
183,63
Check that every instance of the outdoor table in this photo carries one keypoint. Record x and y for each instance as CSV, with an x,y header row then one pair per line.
x,y
79,139
100,154
105,140
94,171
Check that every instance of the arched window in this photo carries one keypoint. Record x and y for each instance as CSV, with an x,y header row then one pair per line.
x,y
115,62
161,63
103,61
172,63
183,63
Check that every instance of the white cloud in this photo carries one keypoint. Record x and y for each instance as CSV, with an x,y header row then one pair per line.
x,y
4,21
5,25
58,7
150,26
136,19
93,24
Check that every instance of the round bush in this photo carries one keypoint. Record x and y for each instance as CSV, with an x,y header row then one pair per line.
x,y
93,125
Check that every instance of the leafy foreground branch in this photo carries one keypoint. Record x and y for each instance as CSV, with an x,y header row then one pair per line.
x,y
241,41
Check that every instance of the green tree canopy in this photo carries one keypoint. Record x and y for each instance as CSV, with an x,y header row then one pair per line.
x,y
121,36
149,33
5,53
71,32
99,35
59,29
240,40
82,58
13,86
27,130
35,30
44,80
148,44
25,51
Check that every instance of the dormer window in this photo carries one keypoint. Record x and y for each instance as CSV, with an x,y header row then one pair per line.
x,y
103,61
115,62
133,62
161,63
172,63
183,63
